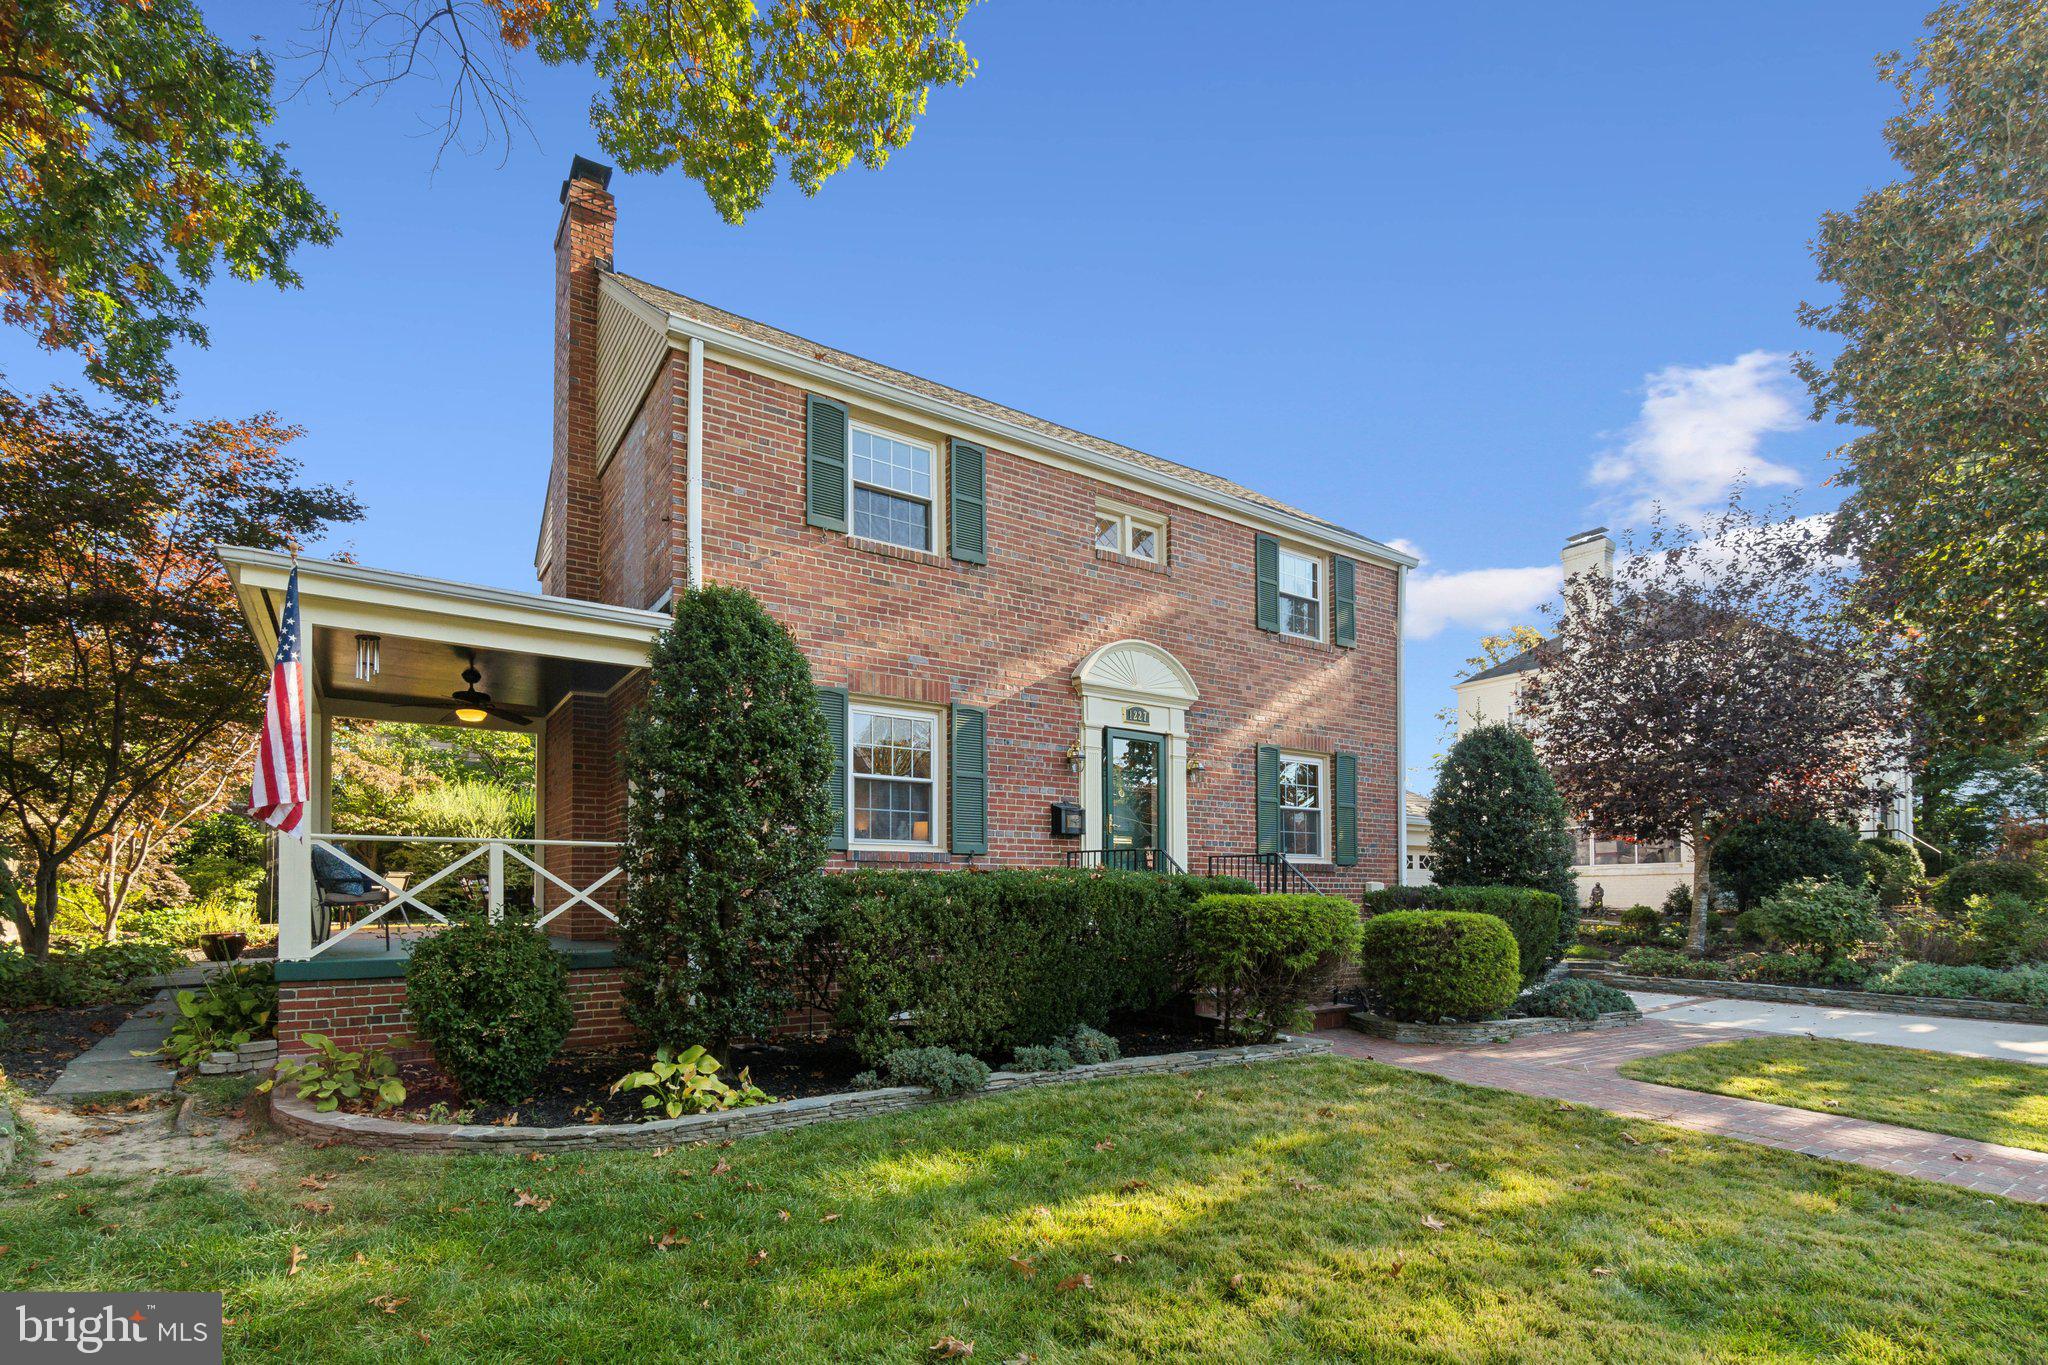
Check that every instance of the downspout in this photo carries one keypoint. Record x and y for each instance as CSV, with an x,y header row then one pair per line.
x,y
695,460
1400,729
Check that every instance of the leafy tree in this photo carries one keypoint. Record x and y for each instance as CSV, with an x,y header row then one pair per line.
x,y
1968,797
728,762
121,649
1493,649
134,162
1942,316
137,852
133,167
1754,857
1719,679
1496,819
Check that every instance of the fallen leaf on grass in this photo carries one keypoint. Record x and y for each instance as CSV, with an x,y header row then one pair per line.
x,y
316,1206
829,1218
297,1256
362,1259
1133,1186
1400,1264
314,1182
1106,1145
366,1158
1077,1282
951,1348
529,1200
1040,1212
666,1240
1118,1258
782,1215
721,1168
390,1303
1434,1223
79,1170
758,1258
1023,1267
1302,1183
1631,1139
1445,1165
1327,1112
1602,1271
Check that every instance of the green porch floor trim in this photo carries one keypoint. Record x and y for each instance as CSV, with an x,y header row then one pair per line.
x,y
581,954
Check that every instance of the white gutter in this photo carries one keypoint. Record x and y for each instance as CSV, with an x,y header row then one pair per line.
x,y
1400,729
694,514
1020,437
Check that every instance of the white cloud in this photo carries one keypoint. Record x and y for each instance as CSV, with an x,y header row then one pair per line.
x,y
1478,599
1408,547
1698,436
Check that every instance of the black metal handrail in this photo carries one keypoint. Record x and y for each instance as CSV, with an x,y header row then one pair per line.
x,y
1271,873
1124,859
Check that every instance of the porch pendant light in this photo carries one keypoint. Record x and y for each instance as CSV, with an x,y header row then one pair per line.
x,y
369,657
470,715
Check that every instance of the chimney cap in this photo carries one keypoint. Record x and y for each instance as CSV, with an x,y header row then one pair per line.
x,y
583,168
1584,536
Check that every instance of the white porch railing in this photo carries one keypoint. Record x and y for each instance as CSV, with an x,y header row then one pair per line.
x,y
304,929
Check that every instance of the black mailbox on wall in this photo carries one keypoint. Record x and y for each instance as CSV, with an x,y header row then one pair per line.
x,y
1068,820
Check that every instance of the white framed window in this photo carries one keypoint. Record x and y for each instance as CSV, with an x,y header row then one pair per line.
x,y
1304,807
1132,534
894,487
1301,595
1590,850
895,773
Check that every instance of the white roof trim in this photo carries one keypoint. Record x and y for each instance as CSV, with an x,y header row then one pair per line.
x,y
1017,437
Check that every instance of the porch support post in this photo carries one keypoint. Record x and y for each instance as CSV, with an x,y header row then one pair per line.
x,y
294,897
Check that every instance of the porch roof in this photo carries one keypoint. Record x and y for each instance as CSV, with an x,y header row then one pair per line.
x,y
532,649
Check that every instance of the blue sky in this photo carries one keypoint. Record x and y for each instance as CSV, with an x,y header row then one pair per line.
x,y
1470,278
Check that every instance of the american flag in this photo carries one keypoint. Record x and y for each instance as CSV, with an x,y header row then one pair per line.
x,y
278,795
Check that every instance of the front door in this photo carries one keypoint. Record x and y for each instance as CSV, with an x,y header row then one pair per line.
x,y
1133,797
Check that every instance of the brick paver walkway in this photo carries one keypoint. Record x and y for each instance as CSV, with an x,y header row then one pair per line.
x,y
1580,1067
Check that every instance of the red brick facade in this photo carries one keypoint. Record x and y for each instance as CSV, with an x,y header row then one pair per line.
x,y
364,1014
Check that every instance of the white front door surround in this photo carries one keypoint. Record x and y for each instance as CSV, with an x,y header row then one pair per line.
x,y
1135,685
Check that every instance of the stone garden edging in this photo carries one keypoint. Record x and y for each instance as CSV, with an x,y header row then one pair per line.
x,y
299,1118
1485,1031
1994,1011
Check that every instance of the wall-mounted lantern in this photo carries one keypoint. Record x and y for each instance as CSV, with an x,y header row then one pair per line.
x,y
1075,758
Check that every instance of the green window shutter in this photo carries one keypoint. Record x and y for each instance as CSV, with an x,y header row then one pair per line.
x,y
832,703
1267,555
969,765
1343,602
1344,808
968,478
1269,799
825,464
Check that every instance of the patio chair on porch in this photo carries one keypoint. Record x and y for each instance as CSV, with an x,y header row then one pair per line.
x,y
343,892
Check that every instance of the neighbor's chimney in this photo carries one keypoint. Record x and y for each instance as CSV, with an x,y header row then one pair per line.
x,y
583,249
1588,560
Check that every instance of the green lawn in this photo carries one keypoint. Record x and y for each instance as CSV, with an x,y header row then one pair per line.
x,y
1963,1096
1282,1212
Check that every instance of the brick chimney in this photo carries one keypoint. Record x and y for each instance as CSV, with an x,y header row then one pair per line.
x,y
568,554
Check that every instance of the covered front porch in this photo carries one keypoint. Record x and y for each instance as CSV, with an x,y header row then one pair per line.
x,y
381,646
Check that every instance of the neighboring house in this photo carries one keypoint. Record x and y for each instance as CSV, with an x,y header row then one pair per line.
x,y
1628,872
1418,864
1033,647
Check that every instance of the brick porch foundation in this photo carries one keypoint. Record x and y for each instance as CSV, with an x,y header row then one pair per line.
x,y
371,1013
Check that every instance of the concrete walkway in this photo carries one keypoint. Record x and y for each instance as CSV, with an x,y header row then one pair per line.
x,y
1963,1037
1581,1068
111,1065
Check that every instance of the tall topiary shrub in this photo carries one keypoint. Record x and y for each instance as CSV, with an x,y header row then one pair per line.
x,y
1496,820
1264,956
493,1002
1895,867
728,763
1754,858
1531,916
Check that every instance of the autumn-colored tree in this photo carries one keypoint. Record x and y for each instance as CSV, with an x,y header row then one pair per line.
x,y
122,653
1493,649
133,166
1942,316
1720,677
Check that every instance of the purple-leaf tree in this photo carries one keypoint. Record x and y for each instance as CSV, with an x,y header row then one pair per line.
x,y
1719,675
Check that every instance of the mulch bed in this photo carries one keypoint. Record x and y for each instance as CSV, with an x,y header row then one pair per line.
x,y
36,1044
575,1087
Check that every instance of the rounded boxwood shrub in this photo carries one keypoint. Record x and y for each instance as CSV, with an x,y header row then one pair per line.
x,y
2011,930
1264,956
1822,917
1435,966
493,1002
1754,858
939,1069
1989,877
1532,916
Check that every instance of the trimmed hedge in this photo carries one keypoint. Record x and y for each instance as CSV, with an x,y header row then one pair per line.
x,y
1262,955
1532,917
493,1001
1439,966
987,962
1989,877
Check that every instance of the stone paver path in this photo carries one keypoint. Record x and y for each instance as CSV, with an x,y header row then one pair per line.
x,y
1580,1067
111,1064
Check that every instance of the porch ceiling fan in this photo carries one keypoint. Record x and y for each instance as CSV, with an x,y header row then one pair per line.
x,y
473,707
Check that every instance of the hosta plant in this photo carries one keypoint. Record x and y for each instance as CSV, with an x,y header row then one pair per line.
x,y
233,1008
332,1077
687,1083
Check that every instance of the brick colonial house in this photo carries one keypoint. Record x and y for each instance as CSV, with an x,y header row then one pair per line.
x,y
1034,647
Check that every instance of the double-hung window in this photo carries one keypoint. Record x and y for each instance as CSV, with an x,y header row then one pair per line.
x,y
893,485
1304,806
895,775
1301,595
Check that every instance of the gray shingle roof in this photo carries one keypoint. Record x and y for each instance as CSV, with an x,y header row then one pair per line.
x,y
1532,657
697,310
